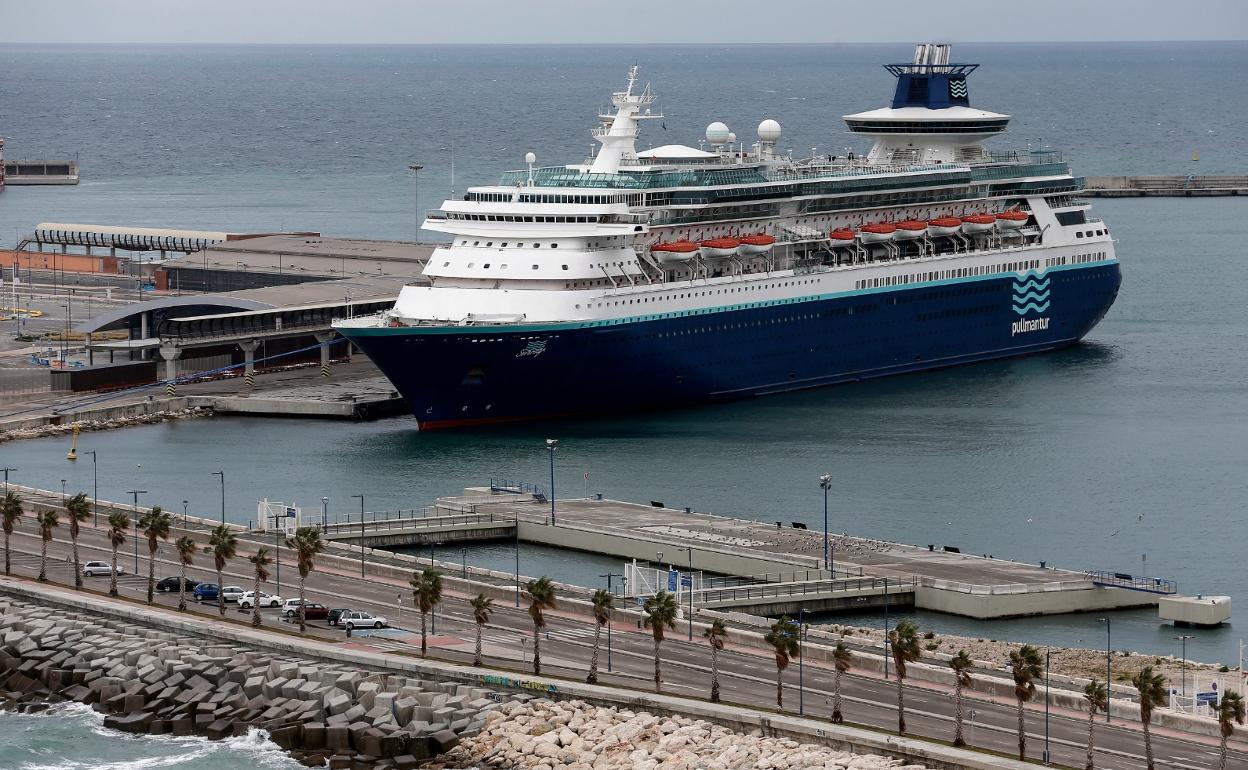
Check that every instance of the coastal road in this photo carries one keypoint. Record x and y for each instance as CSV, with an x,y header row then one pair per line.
x,y
747,675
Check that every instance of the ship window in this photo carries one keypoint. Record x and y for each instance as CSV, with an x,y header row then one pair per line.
x,y
565,267
537,245
486,266
554,245
1079,234
476,243
504,244
446,264
469,264
535,267
489,243
502,267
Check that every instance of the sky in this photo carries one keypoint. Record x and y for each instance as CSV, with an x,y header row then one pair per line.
x,y
622,21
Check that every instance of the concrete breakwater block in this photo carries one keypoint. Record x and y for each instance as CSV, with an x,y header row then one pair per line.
x,y
174,684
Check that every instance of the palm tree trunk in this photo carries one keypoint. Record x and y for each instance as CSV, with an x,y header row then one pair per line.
x,y
901,706
714,674
1222,755
423,643
303,616
1022,735
958,740
112,586
1091,724
658,671
73,538
220,592
1148,746
537,649
7,569
182,590
476,655
151,572
779,687
255,603
837,718
43,559
593,656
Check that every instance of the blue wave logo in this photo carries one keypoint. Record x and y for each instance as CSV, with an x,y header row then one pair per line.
x,y
1032,295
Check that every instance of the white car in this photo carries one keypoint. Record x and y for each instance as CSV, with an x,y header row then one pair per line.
x,y
361,620
248,599
99,568
291,607
233,593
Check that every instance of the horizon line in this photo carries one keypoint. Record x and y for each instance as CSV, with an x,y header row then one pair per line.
x,y
169,43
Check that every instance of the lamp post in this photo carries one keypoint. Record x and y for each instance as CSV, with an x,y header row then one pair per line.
x,y
825,483
690,550
361,533
1048,651
610,614
551,445
415,169
6,478
95,487
185,518
516,547
886,629
324,513
1183,664
801,679
136,493
62,491
277,560
1109,682
222,475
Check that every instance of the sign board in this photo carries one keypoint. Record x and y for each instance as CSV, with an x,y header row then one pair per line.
x,y
290,512
686,581
672,576
1207,698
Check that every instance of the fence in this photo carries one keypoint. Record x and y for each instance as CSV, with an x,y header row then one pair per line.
x,y
23,380
383,524
784,590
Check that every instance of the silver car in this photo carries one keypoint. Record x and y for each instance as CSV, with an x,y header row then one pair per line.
x,y
99,569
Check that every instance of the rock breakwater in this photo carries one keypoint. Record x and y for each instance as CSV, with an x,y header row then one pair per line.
x,y
155,682
572,735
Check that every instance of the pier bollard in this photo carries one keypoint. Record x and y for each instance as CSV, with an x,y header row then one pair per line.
x,y
171,390
325,370
250,377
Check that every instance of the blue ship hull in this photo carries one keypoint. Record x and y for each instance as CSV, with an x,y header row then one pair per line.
x,y
457,376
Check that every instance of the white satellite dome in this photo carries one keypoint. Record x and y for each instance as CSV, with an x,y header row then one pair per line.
x,y
530,157
732,136
717,133
768,131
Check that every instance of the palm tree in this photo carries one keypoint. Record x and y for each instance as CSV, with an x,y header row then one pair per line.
x,y
904,641
1097,695
1025,666
118,526
660,616
260,561
155,525
783,638
77,510
541,595
427,594
715,635
842,661
602,602
961,665
306,544
482,607
223,545
186,554
1152,688
48,521
1230,713
10,513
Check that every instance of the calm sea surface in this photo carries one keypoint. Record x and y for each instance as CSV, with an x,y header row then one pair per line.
x,y
1125,453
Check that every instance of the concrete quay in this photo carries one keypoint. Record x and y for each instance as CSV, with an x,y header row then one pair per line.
x,y
1177,186
943,581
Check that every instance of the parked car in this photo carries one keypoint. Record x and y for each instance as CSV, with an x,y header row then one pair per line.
x,y
336,613
357,619
233,593
205,592
311,611
246,601
171,584
99,568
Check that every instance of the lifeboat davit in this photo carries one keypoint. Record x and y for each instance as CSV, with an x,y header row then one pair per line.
x,y
674,251
878,232
977,223
757,243
719,248
944,226
843,237
910,229
1012,219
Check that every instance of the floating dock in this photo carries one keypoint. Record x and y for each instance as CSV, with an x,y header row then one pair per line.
x,y
1190,186
40,172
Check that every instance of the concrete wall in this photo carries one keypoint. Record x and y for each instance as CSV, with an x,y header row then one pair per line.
x,y
1012,605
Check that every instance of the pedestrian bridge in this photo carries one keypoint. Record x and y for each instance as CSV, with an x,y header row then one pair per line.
x,y
837,595
411,528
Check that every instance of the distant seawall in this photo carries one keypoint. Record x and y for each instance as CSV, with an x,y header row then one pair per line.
x,y
1181,186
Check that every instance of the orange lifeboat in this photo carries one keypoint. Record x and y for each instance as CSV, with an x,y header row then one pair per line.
x,y
977,223
910,229
755,243
843,236
944,226
1012,219
674,251
878,232
719,248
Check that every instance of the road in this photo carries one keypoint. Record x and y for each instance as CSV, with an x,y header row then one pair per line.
x,y
747,676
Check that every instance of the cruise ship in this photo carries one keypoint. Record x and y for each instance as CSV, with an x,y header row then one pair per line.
x,y
682,275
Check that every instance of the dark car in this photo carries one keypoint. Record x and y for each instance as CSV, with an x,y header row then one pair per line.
x,y
205,592
311,611
171,584
336,613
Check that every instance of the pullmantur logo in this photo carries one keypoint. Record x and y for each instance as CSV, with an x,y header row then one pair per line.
x,y
1030,296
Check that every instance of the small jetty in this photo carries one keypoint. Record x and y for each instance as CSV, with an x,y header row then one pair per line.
x,y
40,172
1189,186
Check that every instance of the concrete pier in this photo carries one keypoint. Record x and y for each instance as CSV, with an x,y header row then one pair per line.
x,y
1189,186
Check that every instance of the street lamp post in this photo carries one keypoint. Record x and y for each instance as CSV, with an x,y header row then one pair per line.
x,y
185,518
222,475
551,444
690,551
1048,651
610,614
801,679
1183,664
361,533
825,483
517,551
62,491
324,514
6,478
1109,682
886,629
277,559
136,493
415,169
